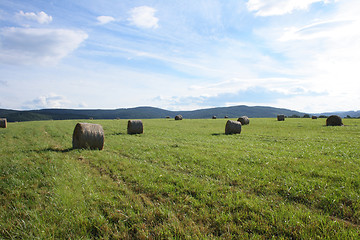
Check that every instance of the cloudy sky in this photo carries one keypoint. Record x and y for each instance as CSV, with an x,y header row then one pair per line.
x,y
180,55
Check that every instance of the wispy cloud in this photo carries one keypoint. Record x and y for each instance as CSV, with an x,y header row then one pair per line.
x,y
3,83
105,19
321,53
40,17
143,17
49,101
34,46
321,29
286,86
279,7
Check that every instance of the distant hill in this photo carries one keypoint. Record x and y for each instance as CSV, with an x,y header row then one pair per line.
x,y
238,111
353,114
143,113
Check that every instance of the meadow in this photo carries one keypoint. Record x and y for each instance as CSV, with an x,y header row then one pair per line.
x,y
296,179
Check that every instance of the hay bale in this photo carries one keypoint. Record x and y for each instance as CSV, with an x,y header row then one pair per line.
x,y
226,116
213,117
334,120
3,123
313,117
281,117
135,127
244,120
88,135
232,127
178,117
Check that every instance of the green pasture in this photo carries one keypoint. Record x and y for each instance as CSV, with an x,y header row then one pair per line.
x,y
296,179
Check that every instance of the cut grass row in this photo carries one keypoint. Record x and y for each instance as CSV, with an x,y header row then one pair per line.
x,y
182,179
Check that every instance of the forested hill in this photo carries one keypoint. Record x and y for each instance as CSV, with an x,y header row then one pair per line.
x,y
143,113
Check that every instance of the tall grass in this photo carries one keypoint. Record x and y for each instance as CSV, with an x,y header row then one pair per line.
x,y
182,180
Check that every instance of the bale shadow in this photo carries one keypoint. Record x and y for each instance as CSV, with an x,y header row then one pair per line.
x,y
51,149
336,126
217,134
117,134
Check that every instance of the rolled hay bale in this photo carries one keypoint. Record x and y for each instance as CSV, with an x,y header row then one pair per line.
x,y
3,123
178,117
213,117
226,116
244,120
281,117
313,117
232,127
334,120
88,135
135,127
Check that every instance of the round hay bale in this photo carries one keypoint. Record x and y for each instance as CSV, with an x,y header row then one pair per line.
x,y
226,116
3,123
334,120
244,120
232,127
313,117
281,117
88,135
135,127
213,117
178,117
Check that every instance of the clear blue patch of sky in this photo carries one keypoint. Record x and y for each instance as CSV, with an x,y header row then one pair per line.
x,y
152,66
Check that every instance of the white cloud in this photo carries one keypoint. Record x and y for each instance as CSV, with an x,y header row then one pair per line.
x,y
34,46
321,51
278,7
283,86
319,104
143,17
322,29
332,60
40,17
49,101
105,19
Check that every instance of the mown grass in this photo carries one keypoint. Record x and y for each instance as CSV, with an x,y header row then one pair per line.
x,y
186,179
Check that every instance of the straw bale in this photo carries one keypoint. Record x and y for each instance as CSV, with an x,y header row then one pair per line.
x,y
244,120
334,120
88,135
178,117
232,127
135,127
3,123
281,117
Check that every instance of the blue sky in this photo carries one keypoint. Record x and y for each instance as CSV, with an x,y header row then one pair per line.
x,y
180,55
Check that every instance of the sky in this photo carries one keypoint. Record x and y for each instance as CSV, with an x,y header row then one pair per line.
x,y
302,55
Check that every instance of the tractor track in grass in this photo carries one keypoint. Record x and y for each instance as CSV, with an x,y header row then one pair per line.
x,y
151,199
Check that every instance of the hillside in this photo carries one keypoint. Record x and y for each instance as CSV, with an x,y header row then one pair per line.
x,y
237,111
143,113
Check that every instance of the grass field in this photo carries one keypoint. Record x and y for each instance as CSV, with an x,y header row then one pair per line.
x,y
296,179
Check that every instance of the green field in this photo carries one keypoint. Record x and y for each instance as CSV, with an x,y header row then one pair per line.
x,y
296,179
